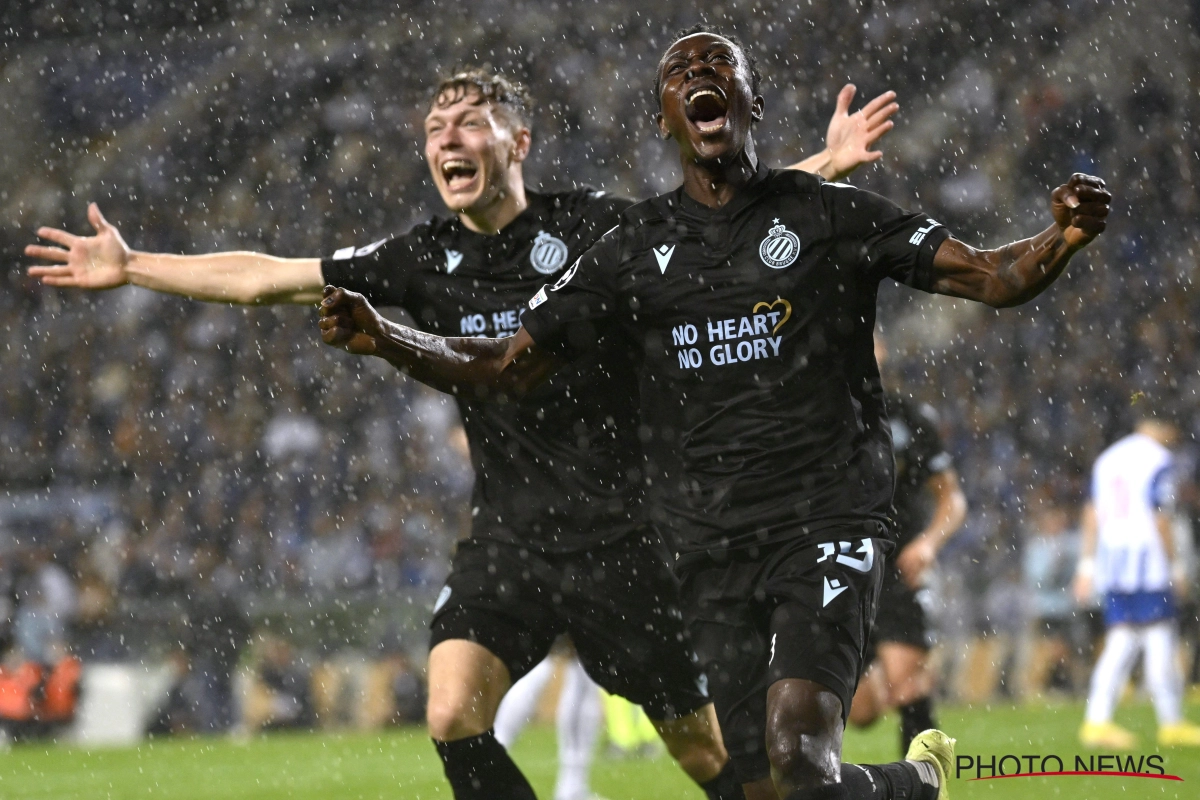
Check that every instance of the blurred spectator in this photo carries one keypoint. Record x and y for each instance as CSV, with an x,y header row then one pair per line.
x,y
280,693
1048,567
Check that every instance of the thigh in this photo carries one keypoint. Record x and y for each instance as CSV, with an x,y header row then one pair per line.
x,y
824,599
621,605
495,598
730,633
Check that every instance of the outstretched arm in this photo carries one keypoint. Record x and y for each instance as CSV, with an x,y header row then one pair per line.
x,y
454,365
1018,272
850,137
104,261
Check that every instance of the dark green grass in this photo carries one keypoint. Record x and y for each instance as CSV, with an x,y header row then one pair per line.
x,y
402,764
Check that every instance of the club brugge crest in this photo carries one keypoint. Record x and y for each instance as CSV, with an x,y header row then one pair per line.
x,y
781,247
548,254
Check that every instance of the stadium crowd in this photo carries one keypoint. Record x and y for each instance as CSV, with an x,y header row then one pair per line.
x,y
158,448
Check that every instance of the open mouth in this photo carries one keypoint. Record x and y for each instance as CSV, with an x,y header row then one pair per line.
x,y
706,109
458,173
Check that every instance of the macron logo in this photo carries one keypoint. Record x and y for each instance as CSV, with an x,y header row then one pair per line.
x,y
453,259
663,254
832,589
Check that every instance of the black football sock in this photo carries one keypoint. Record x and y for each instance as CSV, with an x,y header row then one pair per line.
x,y
834,791
725,786
479,768
915,717
899,780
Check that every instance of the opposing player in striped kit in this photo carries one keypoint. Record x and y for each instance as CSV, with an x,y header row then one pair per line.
x,y
1129,558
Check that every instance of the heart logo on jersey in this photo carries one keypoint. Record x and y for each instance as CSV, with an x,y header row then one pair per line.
x,y
787,311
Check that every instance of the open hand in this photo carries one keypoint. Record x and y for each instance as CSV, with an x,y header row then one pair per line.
x,y
1080,207
851,136
350,322
89,262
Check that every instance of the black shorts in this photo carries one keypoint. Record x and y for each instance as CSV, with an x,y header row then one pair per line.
x,y
901,618
797,612
619,602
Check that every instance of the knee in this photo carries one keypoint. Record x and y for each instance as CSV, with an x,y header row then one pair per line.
x,y
450,719
804,734
801,761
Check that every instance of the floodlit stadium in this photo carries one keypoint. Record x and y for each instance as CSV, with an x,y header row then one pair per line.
x,y
591,401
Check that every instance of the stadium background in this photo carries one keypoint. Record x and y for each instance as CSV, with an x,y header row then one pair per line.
x,y
165,461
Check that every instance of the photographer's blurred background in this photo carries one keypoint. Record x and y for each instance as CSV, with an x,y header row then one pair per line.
x,y
192,513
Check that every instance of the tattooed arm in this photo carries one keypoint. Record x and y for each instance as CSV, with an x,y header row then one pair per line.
x,y
477,367
1018,272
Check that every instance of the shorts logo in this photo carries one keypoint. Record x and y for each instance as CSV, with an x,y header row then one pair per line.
x,y
842,551
780,249
548,254
771,659
453,259
832,589
442,597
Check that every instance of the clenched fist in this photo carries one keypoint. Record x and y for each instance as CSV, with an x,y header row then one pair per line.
x,y
1080,207
350,322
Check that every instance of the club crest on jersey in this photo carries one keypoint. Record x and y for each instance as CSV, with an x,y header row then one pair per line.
x,y
548,255
780,249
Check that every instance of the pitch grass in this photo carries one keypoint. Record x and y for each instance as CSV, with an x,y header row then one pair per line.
x,y
402,764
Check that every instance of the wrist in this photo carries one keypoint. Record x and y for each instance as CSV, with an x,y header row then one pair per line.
x,y
827,169
135,269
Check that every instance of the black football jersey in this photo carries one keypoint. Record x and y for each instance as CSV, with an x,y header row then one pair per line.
x,y
751,327
919,455
556,471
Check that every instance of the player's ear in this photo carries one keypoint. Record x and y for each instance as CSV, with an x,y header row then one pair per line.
x,y
522,141
662,126
757,107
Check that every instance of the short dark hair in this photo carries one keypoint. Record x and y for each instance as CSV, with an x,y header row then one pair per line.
x,y
495,88
704,27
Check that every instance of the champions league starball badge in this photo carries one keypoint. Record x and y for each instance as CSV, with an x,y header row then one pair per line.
x,y
781,247
548,254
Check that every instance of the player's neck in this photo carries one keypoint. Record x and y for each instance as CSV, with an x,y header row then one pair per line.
x,y
715,183
492,218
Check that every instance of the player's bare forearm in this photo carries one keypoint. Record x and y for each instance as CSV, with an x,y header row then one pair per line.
x,y
950,507
510,366
1005,277
1018,272
1089,527
234,277
104,261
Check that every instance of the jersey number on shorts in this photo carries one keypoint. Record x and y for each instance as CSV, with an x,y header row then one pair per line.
x,y
840,552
